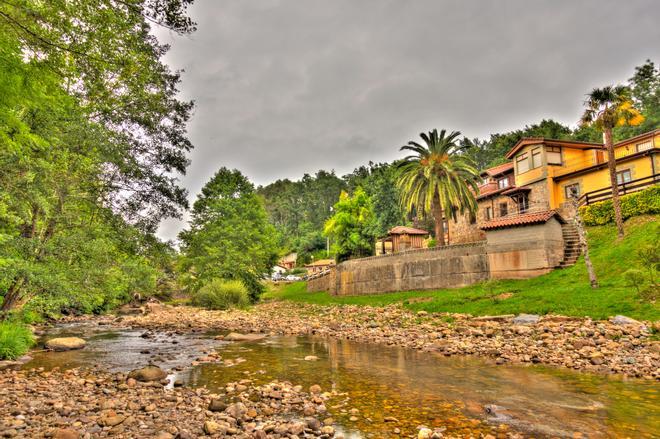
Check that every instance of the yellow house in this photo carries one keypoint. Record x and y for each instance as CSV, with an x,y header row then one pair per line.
x,y
548,172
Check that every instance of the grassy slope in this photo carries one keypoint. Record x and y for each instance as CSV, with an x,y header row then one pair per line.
x,y
564,292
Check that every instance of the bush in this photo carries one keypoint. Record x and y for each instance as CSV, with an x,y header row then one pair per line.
x,y
639,203
222,294
15,340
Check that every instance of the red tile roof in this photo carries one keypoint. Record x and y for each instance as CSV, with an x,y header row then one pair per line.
x,y
403,230
499,169
521,220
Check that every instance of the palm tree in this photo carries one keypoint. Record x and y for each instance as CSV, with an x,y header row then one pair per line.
x,y
437,178
607,108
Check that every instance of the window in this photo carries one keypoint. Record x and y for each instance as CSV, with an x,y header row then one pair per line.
x,y
644,145
473,218
503,183
488,214
523,203
572,191
504,209
623,176
522,163
536,158
553,155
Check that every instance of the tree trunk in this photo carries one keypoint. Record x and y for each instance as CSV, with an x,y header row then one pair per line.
x,y
584,245
439,222
611,164
11,297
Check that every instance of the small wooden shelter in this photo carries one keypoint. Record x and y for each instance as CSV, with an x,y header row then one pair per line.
x,y
401,238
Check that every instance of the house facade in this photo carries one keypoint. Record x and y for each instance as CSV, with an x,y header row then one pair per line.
x,y
544,175
320,266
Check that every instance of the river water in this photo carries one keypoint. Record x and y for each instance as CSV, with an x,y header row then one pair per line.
x,y
381,388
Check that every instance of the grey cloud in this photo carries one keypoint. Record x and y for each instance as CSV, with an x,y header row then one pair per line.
x,y
288,87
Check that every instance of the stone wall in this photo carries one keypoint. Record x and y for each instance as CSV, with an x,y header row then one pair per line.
x,y
447,267
324,282
511,253
523,252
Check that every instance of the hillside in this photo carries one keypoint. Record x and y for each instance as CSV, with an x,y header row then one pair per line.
x,y
565,292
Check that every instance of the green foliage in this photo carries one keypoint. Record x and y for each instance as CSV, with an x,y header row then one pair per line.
x,y
222,294
298,210
379,182
15,340
229,235
643,202
351,227
432,243
90,131
565,291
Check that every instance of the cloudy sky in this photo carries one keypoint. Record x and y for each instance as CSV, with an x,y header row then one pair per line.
x,y
285,87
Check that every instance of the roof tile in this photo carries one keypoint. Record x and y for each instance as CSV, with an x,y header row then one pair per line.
x,y
521,220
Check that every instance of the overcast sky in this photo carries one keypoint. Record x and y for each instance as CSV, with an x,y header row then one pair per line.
x,y
287,87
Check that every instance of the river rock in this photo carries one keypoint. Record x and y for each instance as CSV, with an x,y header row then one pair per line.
x,y
311,358
526,319
65,343
217,405
235,336
148,373
211,427
65,433
623,320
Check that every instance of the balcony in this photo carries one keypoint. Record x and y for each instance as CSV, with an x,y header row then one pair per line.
x,y
597,157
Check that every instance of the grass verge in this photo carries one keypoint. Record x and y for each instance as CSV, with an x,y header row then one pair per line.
x,y
565,292
15,340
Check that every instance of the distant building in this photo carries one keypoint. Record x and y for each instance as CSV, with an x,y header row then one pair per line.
x,y
320,266
401,238
288,261
278,269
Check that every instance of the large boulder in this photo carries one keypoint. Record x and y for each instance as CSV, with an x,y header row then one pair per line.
x,y
148,373
526,319
235,336
65,343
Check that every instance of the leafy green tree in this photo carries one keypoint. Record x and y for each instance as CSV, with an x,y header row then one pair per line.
x,y
229,235
351,226
102,54
437,178
378,180
607,108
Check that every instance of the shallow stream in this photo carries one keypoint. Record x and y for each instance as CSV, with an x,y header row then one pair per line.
x,y
389,388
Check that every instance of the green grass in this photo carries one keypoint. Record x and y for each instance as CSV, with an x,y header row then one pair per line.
x,y
565,292
15,340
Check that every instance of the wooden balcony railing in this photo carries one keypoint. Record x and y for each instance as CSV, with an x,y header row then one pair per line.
x,y
624,188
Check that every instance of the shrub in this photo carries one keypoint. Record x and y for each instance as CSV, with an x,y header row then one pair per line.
x,y
639,203
15,340
222,294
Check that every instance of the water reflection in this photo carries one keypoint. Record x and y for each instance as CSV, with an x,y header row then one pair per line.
x,y
465,395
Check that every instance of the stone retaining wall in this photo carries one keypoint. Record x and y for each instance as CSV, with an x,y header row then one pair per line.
x,y
512,253
447,267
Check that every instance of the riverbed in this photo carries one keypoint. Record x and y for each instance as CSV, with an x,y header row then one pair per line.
x,y
381,391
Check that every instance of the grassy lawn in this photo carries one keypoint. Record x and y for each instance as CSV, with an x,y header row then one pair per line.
x,y
564,292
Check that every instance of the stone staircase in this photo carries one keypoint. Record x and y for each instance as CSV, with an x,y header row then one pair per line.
x,y
571,245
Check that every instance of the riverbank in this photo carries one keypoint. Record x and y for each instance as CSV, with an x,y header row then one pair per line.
x,y
620,346
93,403
565,292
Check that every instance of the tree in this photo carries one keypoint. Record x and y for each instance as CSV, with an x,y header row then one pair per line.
x,y
351,226
378,180
437,178
104,56
229,235
607,108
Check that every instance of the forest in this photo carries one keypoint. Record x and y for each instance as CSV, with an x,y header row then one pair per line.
x,y
92,142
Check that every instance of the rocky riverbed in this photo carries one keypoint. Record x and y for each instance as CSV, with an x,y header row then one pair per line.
x,y
75,403
619,345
